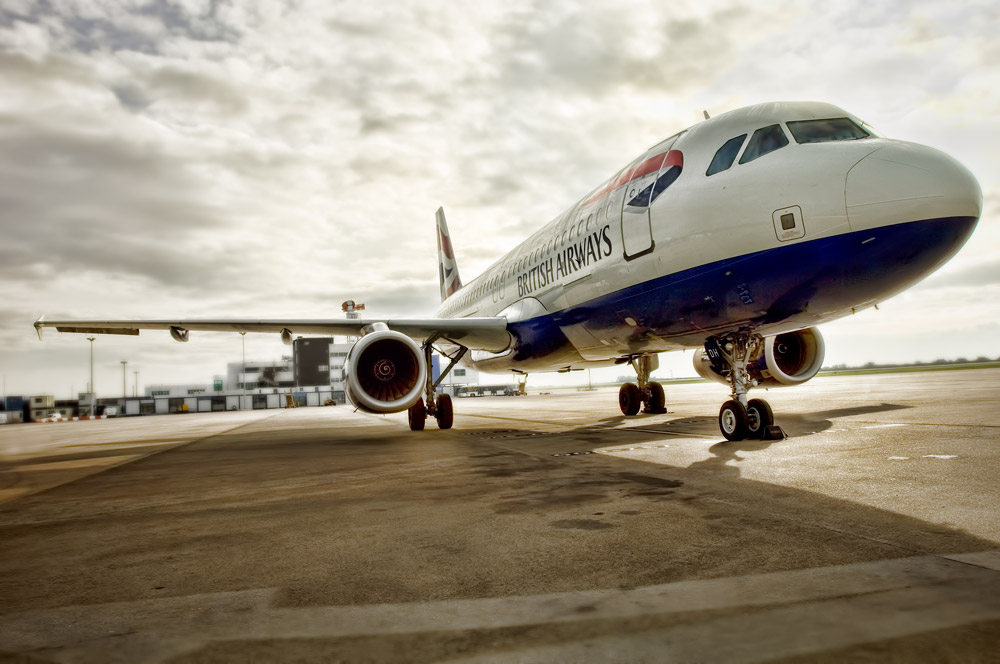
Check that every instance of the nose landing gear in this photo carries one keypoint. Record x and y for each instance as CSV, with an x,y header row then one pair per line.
x,y
647,394
740,418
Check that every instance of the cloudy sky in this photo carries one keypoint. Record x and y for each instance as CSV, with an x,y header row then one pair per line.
x,y
211,158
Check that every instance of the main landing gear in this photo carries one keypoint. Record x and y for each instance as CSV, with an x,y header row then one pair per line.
x,y
740,418
438,406
647,394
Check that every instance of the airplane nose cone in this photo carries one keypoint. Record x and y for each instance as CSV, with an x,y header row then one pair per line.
x,y
903,182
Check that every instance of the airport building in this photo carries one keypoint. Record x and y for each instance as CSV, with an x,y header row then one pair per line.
x,y
313,375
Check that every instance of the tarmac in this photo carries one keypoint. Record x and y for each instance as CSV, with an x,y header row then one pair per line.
x,y
540,528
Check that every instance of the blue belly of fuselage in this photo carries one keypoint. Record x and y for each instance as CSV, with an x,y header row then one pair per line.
x,y
773,291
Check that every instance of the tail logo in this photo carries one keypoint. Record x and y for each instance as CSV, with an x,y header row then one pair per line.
x,y
451,282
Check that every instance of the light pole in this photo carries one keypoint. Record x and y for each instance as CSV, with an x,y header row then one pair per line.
x,y
91,390
243,336
124,387
135,393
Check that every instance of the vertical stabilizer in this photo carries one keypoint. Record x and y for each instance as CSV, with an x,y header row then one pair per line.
x,y
447,267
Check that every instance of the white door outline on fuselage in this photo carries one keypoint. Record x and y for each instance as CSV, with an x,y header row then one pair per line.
x,y
642,186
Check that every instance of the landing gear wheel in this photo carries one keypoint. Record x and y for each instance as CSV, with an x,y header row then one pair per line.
x,y
417,415
657,399
733,420
445,415
629,398
759,418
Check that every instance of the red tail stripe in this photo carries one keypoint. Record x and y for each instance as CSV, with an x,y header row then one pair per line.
x,y
445,244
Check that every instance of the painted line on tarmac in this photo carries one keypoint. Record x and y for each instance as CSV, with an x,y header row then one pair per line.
x,y
779,613
962,425
19,488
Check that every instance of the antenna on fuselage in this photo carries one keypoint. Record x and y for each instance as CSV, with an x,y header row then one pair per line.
x,y
706,114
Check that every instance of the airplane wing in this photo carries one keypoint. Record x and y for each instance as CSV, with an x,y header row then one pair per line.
x,y
484,333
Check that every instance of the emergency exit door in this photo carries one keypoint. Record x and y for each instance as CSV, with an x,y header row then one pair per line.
x,y
637,231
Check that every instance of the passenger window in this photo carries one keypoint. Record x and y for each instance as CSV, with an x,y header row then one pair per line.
x,y
579,227
820,131
726,155
764,140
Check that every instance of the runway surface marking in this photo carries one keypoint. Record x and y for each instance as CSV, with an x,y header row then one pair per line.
x,y
761,616
27,471
261,492
78,463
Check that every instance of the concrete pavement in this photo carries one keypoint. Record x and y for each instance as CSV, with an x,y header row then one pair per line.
x,y
540,528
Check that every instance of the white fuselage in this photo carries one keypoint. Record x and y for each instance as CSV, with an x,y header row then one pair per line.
x,y
564,282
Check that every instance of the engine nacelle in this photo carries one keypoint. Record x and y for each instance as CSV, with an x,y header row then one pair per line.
x,y
786,359
386,372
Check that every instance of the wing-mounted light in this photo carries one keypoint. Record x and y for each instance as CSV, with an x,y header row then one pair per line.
x,y
286,336
179,333
374,327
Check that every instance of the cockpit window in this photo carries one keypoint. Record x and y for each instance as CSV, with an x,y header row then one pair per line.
x,y
819,131
764,140
726,155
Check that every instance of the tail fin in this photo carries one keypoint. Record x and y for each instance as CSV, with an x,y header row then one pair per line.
x,y
447,266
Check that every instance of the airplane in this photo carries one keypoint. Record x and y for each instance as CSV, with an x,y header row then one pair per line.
x,y
736,237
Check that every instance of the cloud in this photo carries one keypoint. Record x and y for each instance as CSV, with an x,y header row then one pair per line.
x,y
122,26
977,274
212,158
76,199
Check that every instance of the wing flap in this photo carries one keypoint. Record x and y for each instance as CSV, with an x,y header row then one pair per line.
x,y
98,330
482,333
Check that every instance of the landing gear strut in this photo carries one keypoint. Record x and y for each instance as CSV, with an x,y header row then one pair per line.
x,y
434,405
647,394
739,417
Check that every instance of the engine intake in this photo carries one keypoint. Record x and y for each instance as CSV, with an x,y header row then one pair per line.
x,y
386,372
786,359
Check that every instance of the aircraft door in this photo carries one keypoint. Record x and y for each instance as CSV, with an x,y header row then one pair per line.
x,y
637,230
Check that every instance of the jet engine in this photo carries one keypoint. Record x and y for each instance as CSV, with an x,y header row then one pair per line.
x,y
785,359
386,372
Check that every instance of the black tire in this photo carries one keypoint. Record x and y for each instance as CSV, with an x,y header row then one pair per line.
x,y
733,420
759,418
417,415
629,398
445,415
657,399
